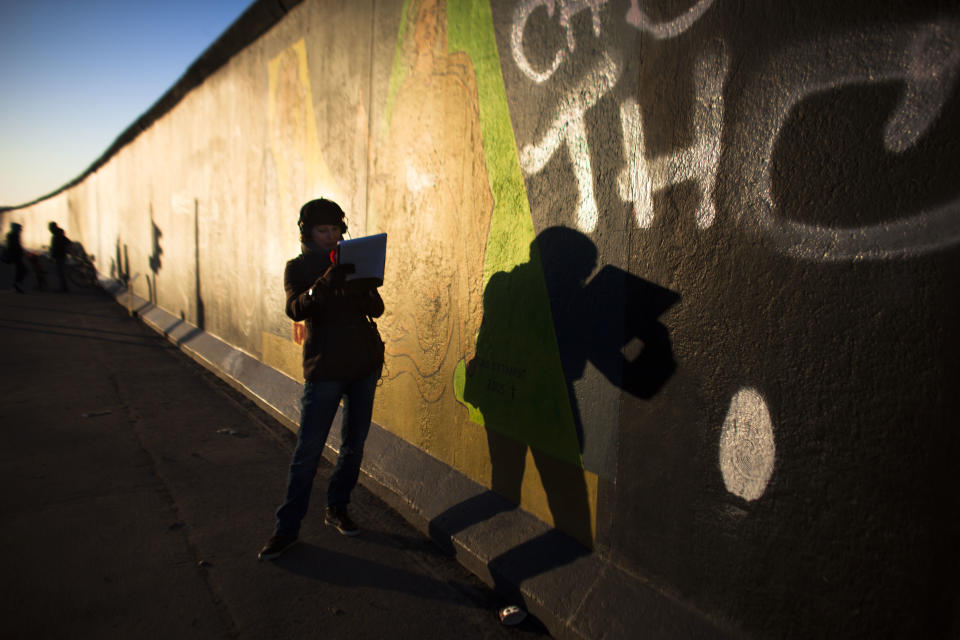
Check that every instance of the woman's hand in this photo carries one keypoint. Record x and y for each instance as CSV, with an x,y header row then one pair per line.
x,y
335,277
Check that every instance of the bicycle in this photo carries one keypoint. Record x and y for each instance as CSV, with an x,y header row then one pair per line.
x,y
81,272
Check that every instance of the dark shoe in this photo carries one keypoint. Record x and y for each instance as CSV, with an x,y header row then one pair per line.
x,y
275,547
339,518
16,287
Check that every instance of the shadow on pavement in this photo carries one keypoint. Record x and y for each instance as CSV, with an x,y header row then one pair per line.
x,y
15,326
349,571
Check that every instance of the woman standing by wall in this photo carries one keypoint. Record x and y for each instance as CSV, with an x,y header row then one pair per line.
x,y
342,359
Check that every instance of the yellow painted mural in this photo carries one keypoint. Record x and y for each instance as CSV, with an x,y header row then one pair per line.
x,y
301,174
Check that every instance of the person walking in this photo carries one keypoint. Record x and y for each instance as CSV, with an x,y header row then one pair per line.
x,y
59,247
14,255
342,359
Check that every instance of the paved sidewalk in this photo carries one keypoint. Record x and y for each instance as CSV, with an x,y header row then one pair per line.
x,y
137,489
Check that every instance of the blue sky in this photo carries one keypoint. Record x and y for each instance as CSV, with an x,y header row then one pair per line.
x,y
75,74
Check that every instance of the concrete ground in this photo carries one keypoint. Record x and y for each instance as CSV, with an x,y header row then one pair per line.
x,y
136,489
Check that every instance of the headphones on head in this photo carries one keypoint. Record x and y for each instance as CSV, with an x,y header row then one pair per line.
x,y
321,211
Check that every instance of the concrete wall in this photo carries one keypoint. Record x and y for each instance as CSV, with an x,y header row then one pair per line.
x,y
678,277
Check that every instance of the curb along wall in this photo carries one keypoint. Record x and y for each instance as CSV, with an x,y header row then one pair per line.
x,y
677,277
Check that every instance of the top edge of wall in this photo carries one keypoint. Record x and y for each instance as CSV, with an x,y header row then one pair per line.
x,y
256,20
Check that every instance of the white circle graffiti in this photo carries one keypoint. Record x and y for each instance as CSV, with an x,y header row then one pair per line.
x,y
747,449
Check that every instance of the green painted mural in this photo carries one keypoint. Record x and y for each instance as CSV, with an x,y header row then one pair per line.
x,y
446,51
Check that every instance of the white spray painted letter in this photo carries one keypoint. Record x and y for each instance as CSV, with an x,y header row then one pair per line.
x,y
641,177
569,128
665,30
568,9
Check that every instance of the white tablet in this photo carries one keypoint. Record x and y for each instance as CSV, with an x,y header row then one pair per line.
x,y
368,255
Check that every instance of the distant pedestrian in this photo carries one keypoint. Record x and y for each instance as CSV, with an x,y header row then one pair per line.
x,y
342,359
13,254
59,247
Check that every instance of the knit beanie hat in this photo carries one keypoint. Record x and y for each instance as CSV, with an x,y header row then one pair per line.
x,y
320,211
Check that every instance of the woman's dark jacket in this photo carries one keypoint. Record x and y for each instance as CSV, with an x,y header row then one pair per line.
x,y
341,343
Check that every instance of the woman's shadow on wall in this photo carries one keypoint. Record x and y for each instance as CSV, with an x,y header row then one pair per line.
x,y
542,323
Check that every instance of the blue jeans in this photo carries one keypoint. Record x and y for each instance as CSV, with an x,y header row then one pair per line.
x,y
318,407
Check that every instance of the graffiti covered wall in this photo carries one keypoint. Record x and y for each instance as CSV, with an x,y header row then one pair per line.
x,y
677,277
